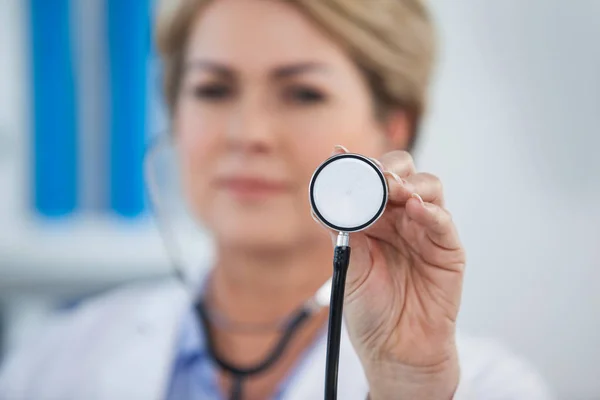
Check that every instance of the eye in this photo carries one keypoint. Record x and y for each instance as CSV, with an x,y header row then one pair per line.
x,y
304,95
212,91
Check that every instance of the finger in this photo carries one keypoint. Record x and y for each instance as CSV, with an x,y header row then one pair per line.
x,y
436,221
429,187
399,162
362,259
399,190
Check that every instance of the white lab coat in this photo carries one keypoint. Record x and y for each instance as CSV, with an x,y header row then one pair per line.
x,y
120,346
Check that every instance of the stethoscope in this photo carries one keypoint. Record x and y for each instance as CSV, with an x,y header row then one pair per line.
x,y
347,193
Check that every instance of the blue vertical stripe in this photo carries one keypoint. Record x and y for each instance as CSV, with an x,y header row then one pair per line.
x,y
129,50
54,108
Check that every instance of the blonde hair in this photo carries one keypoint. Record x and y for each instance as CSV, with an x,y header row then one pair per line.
x,y
391,41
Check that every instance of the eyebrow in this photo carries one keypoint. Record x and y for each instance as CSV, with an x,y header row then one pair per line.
x,y
281,72
214,67
287,71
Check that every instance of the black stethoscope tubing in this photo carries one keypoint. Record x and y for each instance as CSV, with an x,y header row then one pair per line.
x,y
240,374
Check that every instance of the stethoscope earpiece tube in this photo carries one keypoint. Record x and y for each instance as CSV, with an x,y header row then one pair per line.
x,y
341,261
240,374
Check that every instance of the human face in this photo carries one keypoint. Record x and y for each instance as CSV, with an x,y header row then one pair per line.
x,y
265,96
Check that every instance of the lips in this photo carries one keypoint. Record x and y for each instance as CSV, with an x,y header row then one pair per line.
x,y
252,187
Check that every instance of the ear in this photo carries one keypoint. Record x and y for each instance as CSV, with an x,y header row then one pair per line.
x,y
397,129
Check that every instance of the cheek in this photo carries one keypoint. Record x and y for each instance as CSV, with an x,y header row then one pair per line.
x,y
196,134
200,132
198,147
314,138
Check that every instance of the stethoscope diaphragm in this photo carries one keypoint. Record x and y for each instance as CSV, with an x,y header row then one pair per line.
x,y
348,192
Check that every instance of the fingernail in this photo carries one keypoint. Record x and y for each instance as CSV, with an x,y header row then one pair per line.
x,y
378,163
340,147
416,196
396,177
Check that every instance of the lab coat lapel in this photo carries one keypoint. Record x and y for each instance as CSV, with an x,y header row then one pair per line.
x,y
135,358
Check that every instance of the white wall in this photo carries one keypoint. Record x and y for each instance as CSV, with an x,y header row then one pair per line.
x,y
513,133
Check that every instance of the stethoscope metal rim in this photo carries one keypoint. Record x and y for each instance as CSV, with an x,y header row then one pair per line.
x,y
383,182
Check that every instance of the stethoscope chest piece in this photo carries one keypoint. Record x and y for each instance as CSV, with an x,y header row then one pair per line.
x,y
348,192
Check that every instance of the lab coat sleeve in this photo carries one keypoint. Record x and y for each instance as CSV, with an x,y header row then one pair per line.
x,y
490,371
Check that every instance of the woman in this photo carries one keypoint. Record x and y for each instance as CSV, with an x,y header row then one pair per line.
x,y
260,93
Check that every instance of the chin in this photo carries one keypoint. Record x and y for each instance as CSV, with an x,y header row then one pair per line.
x,y
255,231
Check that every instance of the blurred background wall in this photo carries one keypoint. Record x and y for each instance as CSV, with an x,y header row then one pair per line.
x,y
513,131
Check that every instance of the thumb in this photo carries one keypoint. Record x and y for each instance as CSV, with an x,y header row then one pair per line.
x,y
361,262
339,149
360,255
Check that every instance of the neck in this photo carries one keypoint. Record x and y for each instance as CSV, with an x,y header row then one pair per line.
x,y
262,286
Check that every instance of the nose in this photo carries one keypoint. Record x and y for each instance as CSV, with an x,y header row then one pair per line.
x,y
250,128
